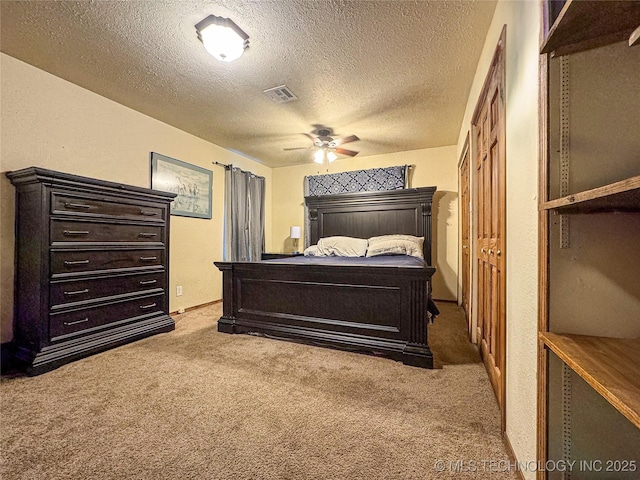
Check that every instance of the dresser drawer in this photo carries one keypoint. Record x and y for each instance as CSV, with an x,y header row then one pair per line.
x,y
104,206
91,319
70,231
75,261
64,293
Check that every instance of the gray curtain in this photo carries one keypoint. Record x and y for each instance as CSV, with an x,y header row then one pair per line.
x,y
307,222
244,216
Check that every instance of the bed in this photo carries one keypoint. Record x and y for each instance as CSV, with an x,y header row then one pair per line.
x,y
377,306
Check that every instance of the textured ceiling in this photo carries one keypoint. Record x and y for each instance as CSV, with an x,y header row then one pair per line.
x,y
395,73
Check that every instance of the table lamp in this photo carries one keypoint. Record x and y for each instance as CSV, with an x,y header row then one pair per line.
x,y
294,233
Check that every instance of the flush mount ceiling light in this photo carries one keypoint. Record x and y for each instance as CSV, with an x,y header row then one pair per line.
x,y
222,38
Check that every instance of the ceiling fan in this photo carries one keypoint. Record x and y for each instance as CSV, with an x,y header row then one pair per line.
x,y
327,146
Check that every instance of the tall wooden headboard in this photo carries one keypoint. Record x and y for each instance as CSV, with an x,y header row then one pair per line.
x,y
368,214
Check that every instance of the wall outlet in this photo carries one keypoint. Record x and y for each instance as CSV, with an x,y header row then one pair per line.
x,y
179,291
181,310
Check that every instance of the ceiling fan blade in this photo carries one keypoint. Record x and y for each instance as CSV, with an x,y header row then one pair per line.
x,y
297,148
311,137
349,139
344,151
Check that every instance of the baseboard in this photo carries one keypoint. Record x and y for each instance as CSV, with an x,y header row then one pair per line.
x,y
512,455
196,306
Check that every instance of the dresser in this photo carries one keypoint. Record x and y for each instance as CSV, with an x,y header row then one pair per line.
x,y
92,266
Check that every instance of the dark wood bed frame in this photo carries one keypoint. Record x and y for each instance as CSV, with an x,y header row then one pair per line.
x,y
363,308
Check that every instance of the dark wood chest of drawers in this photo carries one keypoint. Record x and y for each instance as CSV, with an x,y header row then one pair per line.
x,y
92,266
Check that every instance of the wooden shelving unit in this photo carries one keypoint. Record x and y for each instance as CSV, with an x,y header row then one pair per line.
x,y
585,24
589,293
623,196
609,365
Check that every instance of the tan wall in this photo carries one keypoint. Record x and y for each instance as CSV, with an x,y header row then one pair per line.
x,y
523,30
434,166
51,123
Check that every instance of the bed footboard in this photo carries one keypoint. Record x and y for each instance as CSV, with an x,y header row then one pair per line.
x,y
371,309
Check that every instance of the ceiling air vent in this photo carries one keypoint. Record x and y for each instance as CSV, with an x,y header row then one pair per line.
x,y
280,94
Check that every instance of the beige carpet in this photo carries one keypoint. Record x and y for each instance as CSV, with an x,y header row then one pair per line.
x,y
198,404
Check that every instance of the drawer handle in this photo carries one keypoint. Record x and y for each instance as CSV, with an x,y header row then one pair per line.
x,y
148,259
151,214
76,232
68,324
76,205
145,307
147,235
76,262
148,282
77,292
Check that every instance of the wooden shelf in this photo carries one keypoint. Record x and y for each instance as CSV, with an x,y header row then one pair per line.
x,y
623,196
609,365
585,24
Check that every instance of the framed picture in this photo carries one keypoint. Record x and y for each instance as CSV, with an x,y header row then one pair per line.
x,y
191,183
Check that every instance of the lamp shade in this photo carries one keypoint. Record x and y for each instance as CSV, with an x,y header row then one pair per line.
x,y
222,38
294,232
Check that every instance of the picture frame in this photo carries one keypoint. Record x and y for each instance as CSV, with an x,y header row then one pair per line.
x,y
192,184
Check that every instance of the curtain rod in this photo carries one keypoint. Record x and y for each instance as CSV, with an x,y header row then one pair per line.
x,y
222,164
410,167
230,166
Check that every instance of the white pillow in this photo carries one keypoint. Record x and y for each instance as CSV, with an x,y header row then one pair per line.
x,y
312,251
342,246
396,245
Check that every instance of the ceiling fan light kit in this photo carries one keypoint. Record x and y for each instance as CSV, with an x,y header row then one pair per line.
x,y
222,38
327,147
323,153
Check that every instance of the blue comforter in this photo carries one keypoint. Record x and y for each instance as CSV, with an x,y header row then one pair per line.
x,y
378,261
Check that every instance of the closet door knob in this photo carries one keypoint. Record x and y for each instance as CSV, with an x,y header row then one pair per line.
x,y
490,251
498,253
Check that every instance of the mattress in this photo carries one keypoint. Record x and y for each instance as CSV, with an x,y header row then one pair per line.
x,y
379,261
